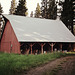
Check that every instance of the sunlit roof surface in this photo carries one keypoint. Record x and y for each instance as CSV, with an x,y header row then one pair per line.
x,y
39,30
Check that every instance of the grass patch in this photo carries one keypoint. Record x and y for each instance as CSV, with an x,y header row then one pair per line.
x,y
71,53
10,64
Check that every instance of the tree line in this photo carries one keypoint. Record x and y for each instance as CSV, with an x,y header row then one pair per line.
x,y
48,10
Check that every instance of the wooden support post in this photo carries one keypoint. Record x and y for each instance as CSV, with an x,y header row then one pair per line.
x,y
31,47
27,52
42,47
61,47
52,45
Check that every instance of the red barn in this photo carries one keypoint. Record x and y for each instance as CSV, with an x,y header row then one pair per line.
x,y
24,35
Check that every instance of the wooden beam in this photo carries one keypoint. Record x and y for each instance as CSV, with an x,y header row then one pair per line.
x,y
27,51
42,44
41,49
31,45
61,46
52,45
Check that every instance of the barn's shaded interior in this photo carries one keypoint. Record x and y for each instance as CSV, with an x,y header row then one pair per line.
x,y
36,47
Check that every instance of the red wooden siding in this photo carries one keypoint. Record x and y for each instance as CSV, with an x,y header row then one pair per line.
x,y
9,42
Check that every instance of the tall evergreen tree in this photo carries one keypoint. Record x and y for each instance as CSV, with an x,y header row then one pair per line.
x,y
49,9
52,10
44,7
13,7
37,11
1,11
21,8
67,14
74,17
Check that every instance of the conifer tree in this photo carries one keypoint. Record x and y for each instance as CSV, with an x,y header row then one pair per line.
x,y
37,11
13,7
1,11
21,8
52,10
67,14
74,17
49,9
44,8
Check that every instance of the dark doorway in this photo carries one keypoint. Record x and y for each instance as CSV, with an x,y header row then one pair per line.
x,y
65,46
47,48
36,48
56,47
24,47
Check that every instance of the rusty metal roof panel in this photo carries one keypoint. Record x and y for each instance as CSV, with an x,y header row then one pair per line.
x,y
39,30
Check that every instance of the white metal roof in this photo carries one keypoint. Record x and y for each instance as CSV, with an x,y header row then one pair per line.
x,y
39,30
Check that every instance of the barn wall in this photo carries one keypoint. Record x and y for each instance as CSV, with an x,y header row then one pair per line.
x,y
9,42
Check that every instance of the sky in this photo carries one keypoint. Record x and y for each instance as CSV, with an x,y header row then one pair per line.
x,y
31,5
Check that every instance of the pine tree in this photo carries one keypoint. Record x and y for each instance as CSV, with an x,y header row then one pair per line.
x,y
44,8
49,9
74,17
13,7
21,8
67,14
37,11
52,10
1,11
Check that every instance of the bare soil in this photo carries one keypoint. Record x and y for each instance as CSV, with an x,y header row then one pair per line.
x,y
68,67
63,66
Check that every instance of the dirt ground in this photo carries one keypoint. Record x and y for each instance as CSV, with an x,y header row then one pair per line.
x,y
61,66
